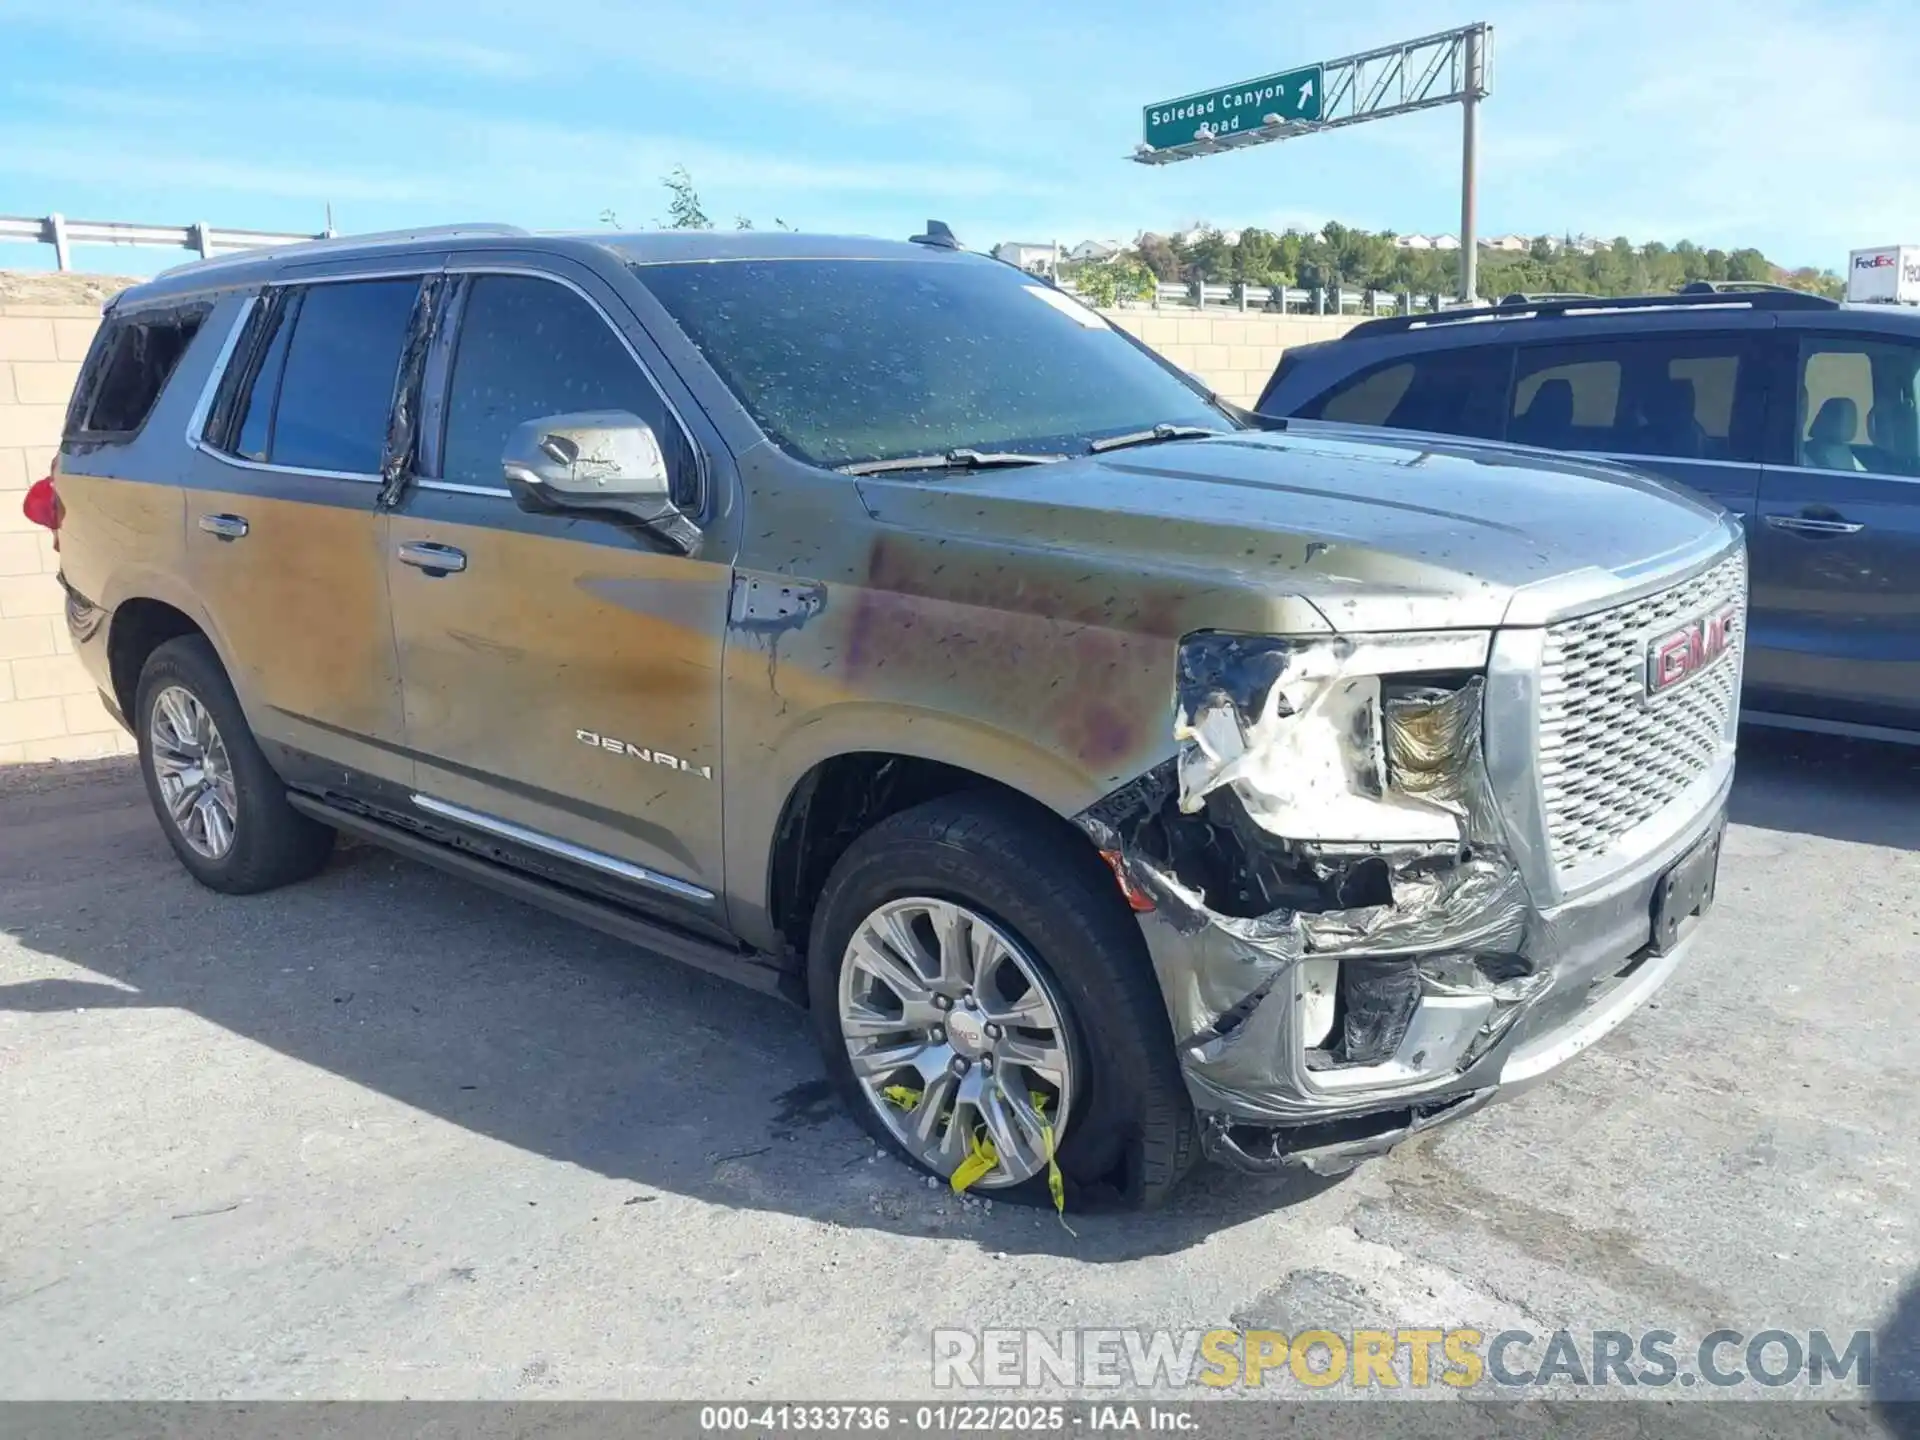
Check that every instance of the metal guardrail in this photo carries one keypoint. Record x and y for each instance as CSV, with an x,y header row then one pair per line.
x,y
63,234
1291,300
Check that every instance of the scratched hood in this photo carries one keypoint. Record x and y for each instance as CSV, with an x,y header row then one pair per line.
x,y
1377,531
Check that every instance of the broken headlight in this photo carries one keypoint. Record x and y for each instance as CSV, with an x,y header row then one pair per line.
x,y
1332,738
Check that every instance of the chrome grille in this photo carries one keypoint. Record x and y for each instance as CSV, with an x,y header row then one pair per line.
x,y
1610,757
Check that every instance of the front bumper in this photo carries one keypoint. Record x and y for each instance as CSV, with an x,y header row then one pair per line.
x,y
1263,1106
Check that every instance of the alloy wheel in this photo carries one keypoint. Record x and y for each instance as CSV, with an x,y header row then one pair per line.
x,y
956,1038
195,775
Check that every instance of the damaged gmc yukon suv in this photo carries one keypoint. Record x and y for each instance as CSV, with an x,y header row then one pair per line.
x,y
1114,781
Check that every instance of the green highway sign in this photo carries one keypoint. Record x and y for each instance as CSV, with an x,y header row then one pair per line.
x,y
1293,95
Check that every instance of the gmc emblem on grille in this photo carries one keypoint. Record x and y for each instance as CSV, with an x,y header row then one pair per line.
x,y
1684,654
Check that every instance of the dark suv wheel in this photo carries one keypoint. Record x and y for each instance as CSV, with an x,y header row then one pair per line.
x,y
221,806
974,978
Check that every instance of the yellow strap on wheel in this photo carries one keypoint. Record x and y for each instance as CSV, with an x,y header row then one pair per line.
x,y
1056,1183
981,1157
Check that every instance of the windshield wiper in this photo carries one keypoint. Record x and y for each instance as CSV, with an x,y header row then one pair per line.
x,y
952,460
1152,437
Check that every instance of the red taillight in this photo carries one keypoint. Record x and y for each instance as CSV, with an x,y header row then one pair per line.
x,y
42,506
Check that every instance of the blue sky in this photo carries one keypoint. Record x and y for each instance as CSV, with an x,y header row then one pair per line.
x,y
1787,124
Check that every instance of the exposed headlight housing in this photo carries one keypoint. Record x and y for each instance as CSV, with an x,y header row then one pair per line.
x,y
1331,738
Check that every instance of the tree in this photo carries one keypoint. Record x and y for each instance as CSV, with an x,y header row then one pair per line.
x,y
1107,283
1156,252
1256,259
1209,258
683,204
684,210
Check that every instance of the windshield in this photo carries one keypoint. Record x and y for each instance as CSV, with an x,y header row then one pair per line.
x,y
845,361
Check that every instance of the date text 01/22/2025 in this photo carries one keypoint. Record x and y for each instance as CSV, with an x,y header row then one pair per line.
x,y
959,1418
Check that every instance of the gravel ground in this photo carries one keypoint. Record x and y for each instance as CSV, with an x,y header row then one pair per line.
x,y
386,1135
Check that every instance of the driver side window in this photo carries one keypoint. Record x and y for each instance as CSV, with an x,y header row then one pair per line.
x,y
529,348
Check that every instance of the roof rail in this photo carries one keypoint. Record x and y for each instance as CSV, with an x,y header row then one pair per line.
x,y
1736,287
1524,298
1783,299
351,242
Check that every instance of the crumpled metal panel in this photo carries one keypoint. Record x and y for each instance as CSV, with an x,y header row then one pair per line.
x,y
1304,754
1230,980
1479,902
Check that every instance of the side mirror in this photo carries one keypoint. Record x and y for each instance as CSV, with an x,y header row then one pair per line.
x,y
600,462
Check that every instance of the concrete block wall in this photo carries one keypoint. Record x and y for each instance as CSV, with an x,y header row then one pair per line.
x,y
1233,351
48,707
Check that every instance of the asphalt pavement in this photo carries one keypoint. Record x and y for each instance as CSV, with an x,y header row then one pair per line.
x,y
386,1135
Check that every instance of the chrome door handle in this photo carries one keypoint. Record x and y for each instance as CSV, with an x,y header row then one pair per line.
x,y
1808,525
227,527
434,558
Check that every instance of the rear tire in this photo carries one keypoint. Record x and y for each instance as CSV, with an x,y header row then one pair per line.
x,y
220,804
1020,880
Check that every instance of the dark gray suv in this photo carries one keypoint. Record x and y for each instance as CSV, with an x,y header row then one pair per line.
x,y
874,625
1799,415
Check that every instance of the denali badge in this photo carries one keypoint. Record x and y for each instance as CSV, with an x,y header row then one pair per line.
x,y
640,752
1676,658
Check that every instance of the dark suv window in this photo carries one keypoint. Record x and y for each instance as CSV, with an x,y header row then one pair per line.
x,y
1675,396
336,387
1859,405
127,368
530,348
1450,392
256,413
312,384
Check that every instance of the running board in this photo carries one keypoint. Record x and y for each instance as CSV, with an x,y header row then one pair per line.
x,y
741,967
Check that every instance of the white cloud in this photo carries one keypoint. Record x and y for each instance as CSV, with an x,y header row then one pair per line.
x,y
61,156
213,31
434,160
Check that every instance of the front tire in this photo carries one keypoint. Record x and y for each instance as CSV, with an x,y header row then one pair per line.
x,y
972,973
220,804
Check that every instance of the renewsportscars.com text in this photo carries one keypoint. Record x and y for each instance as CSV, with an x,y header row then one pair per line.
x,y
1408,1358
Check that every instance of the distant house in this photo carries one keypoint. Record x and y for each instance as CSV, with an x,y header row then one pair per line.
x,y
1035,259
1426,242
1507,242
1199,233
1093,251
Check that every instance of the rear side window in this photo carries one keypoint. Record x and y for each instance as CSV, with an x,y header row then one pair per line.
x,y
129,365
336,387
1448,392
256,413
1682,397
312,385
